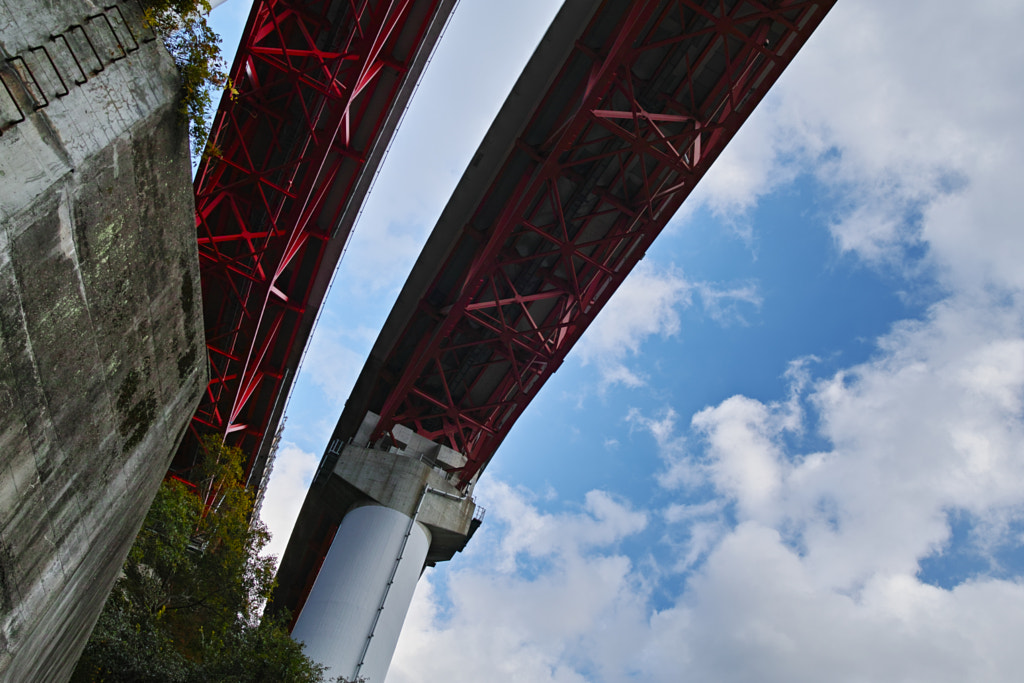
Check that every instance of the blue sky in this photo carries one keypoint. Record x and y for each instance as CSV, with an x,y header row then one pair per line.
x,y
790,449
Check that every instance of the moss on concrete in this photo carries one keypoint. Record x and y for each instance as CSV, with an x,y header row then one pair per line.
x,y
101,360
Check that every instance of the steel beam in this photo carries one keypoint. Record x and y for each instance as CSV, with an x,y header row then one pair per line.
x,y
620,111
315,93
631,123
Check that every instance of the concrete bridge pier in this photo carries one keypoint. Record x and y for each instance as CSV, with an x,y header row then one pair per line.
x,y
402,513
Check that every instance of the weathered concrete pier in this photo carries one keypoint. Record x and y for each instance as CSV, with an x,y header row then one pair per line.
x,y
101,356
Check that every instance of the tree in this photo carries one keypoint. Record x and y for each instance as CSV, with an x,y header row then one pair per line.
x,y
196,50
186,606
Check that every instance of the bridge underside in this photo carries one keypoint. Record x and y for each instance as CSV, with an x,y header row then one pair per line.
x,y
619,113
100,353
318,88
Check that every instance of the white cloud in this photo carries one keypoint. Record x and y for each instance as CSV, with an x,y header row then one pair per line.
x,y
603,521
687,512
680,470
745,462
562,626
646,304
914,126
703,527
819,578
932,424
727,304
336,365
754,613
293,472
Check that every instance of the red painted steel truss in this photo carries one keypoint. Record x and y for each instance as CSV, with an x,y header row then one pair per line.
x,y
660,100
313,83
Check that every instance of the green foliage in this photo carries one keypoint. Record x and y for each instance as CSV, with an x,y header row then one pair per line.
x,y
195,48
186,607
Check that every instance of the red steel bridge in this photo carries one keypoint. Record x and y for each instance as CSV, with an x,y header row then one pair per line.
x,y
621,110
623,107
317,90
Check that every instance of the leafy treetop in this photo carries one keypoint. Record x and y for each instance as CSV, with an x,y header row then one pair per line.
x,y
186,607
196,50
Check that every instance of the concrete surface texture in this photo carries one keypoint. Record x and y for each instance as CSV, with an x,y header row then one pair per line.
x,y
354,613
101,348
398,481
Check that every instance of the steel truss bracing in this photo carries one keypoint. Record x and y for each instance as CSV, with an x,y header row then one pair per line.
x,y
646,101
315,92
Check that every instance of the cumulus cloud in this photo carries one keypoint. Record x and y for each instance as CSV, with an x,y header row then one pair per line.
x,y
679,469
874,115
754,610
544,626
647,304
603,521
755,613
337,364
814,573
694,529
729,304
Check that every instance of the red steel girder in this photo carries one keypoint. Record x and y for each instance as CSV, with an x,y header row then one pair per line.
x,y
660,99
313,92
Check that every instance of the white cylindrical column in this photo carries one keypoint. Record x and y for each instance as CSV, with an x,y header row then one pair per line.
x,y
339,613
